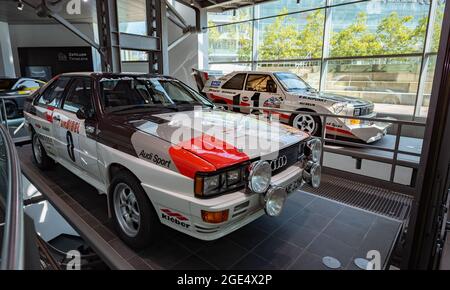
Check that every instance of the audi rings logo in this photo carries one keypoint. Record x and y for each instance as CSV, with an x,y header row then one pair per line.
x,y
279,163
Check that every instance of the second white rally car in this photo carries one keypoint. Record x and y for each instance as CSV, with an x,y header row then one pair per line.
x,y
287,91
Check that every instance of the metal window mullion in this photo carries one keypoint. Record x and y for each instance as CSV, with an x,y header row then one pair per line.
x,y
325,46
255,37
425,58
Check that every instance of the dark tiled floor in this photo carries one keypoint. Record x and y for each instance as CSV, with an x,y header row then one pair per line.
x,y
309,229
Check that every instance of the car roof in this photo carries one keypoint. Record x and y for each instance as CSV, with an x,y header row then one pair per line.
x,y
112,75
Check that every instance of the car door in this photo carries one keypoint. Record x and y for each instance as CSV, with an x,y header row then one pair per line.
x,y
258,89
75,136
42,121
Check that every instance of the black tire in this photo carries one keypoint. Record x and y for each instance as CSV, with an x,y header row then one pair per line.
x,y
44,162
150,226
317,120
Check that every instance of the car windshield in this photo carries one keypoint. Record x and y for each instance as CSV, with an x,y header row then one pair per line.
x,y
7,84
129,93
291,82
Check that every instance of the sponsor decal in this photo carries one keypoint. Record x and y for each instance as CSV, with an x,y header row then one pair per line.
x,y
313,99
154,158
245,99
175,218
216,83
307,104
71,126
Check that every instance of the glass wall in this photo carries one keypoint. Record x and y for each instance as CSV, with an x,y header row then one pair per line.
x,y
380,50
132,16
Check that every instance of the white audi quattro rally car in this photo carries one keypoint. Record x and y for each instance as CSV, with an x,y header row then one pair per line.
x,y
163,153
287,91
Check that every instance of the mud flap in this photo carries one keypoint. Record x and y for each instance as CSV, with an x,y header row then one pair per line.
x,y
237,102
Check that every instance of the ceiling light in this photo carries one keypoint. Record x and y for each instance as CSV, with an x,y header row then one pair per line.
x,y
20,5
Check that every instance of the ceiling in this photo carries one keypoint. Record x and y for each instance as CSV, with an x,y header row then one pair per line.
x,y
223,5
9,12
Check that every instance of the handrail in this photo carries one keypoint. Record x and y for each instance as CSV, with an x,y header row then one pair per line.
x,y
12,254
396,151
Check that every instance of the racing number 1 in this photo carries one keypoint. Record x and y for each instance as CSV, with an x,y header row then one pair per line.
x,y
70,146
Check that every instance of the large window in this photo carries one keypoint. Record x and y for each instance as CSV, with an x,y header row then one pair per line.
x,y
132,16
379,50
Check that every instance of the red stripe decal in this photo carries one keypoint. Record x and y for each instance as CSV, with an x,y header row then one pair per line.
x,y
342,131
174,214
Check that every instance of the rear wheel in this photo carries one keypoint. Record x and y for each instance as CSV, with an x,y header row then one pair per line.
x,y
307,123
134,217
40,155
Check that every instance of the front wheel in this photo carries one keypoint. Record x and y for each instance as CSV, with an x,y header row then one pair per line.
x,y
40,155
307,123
134,217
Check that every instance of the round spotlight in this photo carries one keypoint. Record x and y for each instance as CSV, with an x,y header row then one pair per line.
x,y
315,150
312,174
260,176
274,201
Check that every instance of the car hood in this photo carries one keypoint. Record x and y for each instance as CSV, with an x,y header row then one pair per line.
x,y
221,133
335,98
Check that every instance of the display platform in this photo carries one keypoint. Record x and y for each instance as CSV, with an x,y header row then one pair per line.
x,y
309,229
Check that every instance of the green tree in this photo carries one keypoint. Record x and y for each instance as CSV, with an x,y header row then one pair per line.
x,y
355,39
396,37
283,40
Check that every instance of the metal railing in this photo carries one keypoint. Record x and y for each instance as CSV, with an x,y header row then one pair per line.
x,y
395,151
12,252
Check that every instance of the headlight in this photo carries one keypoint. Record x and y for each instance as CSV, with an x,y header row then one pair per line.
x,y
260,176
211,184
312,174
314,150
274,201
338,108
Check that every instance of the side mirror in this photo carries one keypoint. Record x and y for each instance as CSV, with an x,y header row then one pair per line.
x,y
81,114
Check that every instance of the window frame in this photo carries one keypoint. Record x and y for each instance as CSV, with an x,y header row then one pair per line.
x,y
243,83
69,87
260,74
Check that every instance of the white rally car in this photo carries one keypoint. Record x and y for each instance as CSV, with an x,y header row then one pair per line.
x,y
165,154
287,91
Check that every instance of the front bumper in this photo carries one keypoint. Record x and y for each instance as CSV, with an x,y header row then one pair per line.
x,y
183,213
366,131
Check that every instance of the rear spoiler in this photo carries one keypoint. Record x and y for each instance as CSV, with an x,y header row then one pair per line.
x,y
202,77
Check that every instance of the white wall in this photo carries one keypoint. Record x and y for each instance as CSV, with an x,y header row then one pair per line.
x,y
49,35
184,56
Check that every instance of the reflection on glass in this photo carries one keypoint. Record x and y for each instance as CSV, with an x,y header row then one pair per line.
x,y
307,70
428,85
3,170
378,27
291,36
229,16
133,55
132,16
230,42
287,6
391,83
230,67
437,25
